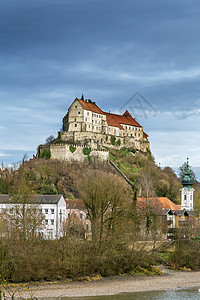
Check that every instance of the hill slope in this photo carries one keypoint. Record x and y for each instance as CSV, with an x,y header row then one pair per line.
x,y
53,176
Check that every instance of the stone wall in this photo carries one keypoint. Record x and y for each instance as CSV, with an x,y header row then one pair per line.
x,y
62,151
98,140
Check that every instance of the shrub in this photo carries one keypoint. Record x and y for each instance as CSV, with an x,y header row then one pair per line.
x,y
72,148
45,154
118,143
112,140
86,151
133,151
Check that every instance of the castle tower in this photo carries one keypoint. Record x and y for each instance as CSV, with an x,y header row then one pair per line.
x,y
187,190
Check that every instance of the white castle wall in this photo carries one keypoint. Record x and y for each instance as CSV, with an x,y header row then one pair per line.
x,y
62,151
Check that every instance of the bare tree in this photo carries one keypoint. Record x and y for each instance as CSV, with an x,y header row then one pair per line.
x,y
50,139
103,195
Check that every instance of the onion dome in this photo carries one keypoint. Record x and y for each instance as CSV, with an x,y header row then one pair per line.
x,y
187,180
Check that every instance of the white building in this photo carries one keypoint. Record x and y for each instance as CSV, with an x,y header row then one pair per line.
x,y
50,208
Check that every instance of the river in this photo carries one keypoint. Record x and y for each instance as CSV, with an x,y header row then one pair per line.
x,y
183,294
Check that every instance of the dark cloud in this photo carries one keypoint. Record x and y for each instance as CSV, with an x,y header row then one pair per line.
x,y
53,50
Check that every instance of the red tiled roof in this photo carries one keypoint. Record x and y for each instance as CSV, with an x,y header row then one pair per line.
x,y
145,135
90,106
159,202
117,120
112,119
74,204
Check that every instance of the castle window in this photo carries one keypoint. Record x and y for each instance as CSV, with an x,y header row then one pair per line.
x,y
75,125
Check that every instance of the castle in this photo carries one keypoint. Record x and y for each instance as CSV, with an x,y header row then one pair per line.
x,y
86,126
86,123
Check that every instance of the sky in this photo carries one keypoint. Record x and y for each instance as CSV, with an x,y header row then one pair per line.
x,y
143,56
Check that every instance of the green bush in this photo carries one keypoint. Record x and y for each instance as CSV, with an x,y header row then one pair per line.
x,y
86,151
112,140
133,151
118,143
45,154
72,148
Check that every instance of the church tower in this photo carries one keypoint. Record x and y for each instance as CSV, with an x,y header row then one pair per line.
x,y
187,190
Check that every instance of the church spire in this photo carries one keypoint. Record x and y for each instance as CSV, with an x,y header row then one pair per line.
x,y
187,180
187,189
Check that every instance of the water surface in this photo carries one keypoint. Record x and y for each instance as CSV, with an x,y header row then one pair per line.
x,y
185,294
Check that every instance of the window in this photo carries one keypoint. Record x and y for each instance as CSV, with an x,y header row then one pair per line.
x,y
46,211
40,210
185,197
88,113
52,222
88,126
52,211
75,119
75,125
46,222
86,119
75,106
79,112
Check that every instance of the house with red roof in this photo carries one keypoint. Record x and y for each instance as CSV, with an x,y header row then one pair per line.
x,y
85,123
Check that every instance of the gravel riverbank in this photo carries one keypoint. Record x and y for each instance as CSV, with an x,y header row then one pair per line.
x,y
114,285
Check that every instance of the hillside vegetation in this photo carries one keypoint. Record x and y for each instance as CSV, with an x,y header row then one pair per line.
x,y
58,177
147,177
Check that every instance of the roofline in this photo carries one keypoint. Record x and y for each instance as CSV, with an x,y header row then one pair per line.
x,y
108,113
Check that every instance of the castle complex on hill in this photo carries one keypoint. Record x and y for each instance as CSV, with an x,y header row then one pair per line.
x,y
86,126
86,123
